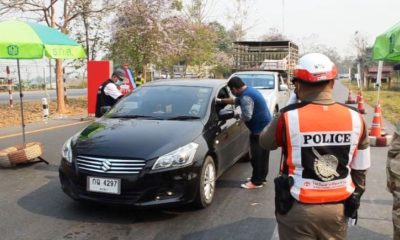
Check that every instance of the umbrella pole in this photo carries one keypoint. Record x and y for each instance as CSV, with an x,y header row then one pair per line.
x,y
21,103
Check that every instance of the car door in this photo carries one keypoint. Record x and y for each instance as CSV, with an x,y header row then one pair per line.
x,y
228,142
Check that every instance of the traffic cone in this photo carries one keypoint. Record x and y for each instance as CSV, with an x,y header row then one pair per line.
x,y
376,124
358,96
376,136
360,104
350,99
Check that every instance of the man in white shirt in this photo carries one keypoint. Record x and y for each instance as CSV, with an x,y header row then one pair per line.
x,y
108,93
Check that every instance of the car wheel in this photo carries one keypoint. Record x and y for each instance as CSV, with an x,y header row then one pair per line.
x,y
206,190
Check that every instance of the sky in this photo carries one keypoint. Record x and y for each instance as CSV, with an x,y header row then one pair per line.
x,y
330,22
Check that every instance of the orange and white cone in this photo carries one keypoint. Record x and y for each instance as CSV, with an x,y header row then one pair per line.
x,y
375,135
360,104
350,99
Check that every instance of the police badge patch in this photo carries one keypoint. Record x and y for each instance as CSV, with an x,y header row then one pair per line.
x,y
325,166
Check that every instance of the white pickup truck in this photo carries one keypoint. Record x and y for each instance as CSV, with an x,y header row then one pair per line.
x,y
270,84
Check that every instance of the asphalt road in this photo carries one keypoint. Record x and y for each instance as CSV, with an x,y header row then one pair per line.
x,y
34,207
38,95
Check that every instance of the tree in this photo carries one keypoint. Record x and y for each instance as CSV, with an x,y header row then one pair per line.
x,y
274,35
223,58
93,21
139,33
3,10
45,10
238,30
360,43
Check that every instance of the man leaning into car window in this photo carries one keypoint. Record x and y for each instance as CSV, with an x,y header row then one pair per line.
x,y
256,116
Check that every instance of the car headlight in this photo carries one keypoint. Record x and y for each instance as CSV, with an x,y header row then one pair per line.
x,y
180,157
66,151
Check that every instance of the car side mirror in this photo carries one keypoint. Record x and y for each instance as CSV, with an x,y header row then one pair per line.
x,y
283,87
105,109
225,114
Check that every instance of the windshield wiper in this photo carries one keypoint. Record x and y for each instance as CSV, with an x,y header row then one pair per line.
x,y
135,116
184,117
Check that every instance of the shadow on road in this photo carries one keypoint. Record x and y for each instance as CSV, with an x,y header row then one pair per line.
x,y
228,183
249,228
48,202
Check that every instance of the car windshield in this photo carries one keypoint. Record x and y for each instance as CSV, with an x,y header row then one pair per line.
x,y
264,81
167,102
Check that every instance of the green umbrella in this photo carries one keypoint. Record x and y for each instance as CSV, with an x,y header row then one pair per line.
x,y
387,45
26,40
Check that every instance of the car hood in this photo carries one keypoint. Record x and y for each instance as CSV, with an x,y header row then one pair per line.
x,y
135,138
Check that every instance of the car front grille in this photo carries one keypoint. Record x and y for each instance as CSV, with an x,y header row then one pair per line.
x,y
110,165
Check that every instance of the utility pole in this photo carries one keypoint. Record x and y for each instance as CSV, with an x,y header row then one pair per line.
x,y
283,17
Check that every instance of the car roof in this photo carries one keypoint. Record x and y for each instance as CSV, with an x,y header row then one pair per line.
x,y
254,72
190,82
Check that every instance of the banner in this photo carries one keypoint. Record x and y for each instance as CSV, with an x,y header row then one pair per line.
x,y
97,73
128,85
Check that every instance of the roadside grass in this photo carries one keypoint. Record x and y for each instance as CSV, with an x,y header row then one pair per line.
x,y
389,99
33,111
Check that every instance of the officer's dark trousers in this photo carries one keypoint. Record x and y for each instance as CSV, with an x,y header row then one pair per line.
x,y
259,160
313,221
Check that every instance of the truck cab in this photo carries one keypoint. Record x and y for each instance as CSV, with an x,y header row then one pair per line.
x,y
270,84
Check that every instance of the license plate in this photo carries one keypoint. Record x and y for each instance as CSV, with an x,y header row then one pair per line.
x,y
104,185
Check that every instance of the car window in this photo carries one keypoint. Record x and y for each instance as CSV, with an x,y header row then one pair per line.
x,y
265,81
164,102
223,93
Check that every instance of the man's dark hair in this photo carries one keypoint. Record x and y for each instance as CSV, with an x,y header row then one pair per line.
x,y
235,82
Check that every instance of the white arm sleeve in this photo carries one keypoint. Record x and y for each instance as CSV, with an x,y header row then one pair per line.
x,y
362,160
112,91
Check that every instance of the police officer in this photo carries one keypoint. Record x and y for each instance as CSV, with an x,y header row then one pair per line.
x,y
108,93
256,116
393,180
325,155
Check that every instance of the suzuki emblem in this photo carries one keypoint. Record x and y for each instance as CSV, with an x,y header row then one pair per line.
x,y
106,165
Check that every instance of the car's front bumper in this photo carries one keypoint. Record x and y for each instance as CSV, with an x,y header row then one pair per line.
x,y
141,190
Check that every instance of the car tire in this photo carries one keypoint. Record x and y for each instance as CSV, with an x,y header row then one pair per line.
x,y
206,185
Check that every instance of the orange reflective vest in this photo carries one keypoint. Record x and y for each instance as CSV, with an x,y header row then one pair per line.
x,y
321,144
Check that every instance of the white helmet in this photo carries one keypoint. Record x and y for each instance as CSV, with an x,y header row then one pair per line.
x,y
315,67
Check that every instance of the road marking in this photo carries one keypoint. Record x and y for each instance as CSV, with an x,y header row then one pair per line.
x,y
275,235
44,129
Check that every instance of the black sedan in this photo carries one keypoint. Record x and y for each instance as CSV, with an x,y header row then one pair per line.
x,y
165,143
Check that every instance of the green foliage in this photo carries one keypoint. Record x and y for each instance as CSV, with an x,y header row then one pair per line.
x,y
150,33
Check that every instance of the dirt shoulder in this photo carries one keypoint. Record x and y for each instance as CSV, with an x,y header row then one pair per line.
x,y
33,111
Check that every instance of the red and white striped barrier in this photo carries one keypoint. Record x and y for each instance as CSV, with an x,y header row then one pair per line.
x,y
45,109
